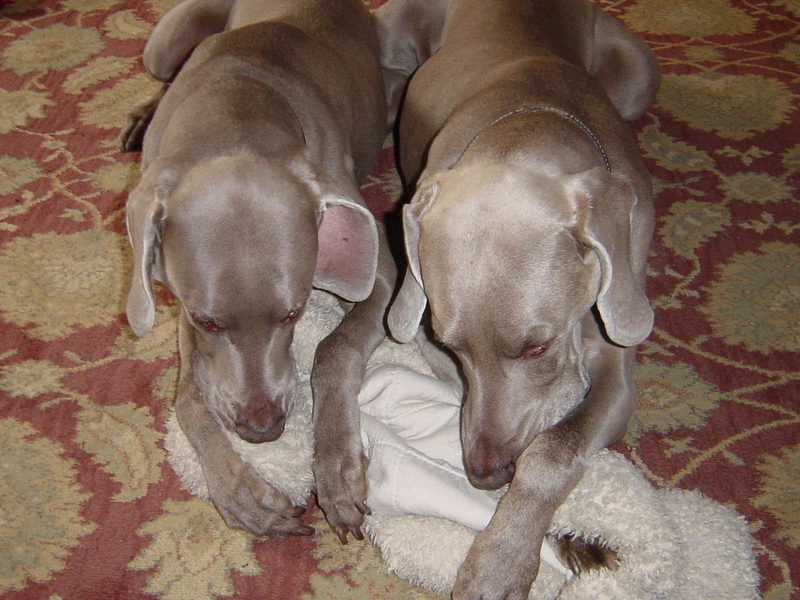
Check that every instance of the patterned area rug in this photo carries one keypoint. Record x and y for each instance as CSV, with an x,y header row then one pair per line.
x,y
89,509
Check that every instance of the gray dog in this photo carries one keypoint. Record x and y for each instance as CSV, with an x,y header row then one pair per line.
x,y
527,237
248,198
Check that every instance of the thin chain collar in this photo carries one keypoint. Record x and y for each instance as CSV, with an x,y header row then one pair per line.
x,y
557,111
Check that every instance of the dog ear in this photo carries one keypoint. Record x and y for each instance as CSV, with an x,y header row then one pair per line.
x,y
145,213
347,255
408,306
178,32
605,205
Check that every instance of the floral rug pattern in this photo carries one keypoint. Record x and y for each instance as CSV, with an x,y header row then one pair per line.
x,y
89,508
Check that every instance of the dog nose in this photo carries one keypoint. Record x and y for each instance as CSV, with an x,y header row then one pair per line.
x,y
489,467
259,424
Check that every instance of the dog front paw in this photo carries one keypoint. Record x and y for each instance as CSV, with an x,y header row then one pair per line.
x,y
342,492
245,501
497,567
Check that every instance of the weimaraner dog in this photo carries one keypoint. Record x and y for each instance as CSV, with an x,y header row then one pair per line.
x,y
527,238
248,199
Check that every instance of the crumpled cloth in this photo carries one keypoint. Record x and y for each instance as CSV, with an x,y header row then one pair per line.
x,y
410,433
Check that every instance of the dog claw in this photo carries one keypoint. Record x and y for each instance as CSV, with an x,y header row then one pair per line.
x,y
303,530
342,535
356,532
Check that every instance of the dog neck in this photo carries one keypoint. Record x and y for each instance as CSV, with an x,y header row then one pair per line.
x,y
548,110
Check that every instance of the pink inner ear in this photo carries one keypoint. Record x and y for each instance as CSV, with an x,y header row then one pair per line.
x,y
347,256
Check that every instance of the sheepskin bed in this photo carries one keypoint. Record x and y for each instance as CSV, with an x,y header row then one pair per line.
x,y
671,544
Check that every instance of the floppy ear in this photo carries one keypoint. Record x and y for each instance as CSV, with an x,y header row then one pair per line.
x,y
179,31
347,255
145,213
605,205
408,306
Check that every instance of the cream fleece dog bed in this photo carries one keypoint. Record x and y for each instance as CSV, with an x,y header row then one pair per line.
x,y
672,544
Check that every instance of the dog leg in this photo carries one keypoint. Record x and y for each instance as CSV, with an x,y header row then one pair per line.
x,y
182,28
243,499
409,32
137,121
339,366
504,559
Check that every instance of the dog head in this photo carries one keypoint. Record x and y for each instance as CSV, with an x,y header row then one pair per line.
x,y
512,263
240,242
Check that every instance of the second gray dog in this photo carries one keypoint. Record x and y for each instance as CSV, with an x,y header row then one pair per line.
x,y
527,237
248,198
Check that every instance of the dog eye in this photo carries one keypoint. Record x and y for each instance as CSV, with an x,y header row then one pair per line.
x,y
534,350
291,316
209,325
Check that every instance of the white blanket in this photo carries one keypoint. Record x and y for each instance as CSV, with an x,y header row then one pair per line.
x,y
672,544
410,431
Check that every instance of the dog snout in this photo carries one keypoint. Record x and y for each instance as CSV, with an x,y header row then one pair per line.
x,y
259,422
489,466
